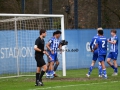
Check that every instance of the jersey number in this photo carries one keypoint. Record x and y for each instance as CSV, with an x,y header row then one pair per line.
x,y
103,44
95,42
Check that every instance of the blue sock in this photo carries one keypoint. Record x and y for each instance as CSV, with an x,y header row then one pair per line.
x,y
113,66
51,72
115,70
48,72
100,69
90,70
104,72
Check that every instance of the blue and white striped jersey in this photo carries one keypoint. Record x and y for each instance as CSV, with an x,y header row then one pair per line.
x,y
54,44
114,47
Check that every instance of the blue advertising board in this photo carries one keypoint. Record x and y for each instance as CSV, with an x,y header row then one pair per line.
x,y
78,53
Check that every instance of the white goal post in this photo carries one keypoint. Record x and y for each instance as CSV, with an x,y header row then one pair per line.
x,y
10,27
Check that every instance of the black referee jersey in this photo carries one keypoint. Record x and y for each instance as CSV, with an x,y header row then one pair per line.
x,y
40,44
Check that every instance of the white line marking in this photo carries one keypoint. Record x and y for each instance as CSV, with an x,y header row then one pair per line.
x,y
72,85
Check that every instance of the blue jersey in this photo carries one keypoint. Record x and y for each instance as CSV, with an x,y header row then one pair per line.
x,y
102,45
54,44
114,47
93,42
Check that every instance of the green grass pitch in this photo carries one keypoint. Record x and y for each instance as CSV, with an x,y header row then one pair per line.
x,y
75,80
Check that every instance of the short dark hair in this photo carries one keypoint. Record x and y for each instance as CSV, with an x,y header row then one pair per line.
x,y
114,31
100,32
54,33
42,31
58,32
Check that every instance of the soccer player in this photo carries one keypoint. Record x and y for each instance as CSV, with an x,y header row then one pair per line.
x,y
101,44
95,56
113,52
39,52
56,63
52,46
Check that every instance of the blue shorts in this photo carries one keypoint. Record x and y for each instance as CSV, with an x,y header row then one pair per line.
x,y
101,58
113,55
48,60
95,56
54,57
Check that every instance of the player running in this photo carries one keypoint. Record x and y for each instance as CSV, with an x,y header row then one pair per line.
x,y
101,44
113,52
52,46
95,56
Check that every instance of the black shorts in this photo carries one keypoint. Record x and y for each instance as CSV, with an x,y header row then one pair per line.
x,y
40,61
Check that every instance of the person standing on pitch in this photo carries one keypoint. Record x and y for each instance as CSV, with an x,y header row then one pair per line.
x,y
52,46
113,52
95,56
101,44
56,62
39,52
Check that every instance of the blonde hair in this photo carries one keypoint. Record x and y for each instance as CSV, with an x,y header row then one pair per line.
x,y
100,28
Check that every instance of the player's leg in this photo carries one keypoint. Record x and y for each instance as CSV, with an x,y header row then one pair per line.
x,y
95,56
101,59
37,71
115,64
100,69
52,65
55,68
51,69
104,69
90,68
99,65
48,64
116,68
109,60
44,68
37,75
56,65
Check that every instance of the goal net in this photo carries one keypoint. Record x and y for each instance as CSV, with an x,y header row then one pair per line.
x,y
18,33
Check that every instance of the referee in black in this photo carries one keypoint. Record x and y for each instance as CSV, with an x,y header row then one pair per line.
x,y
39,52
